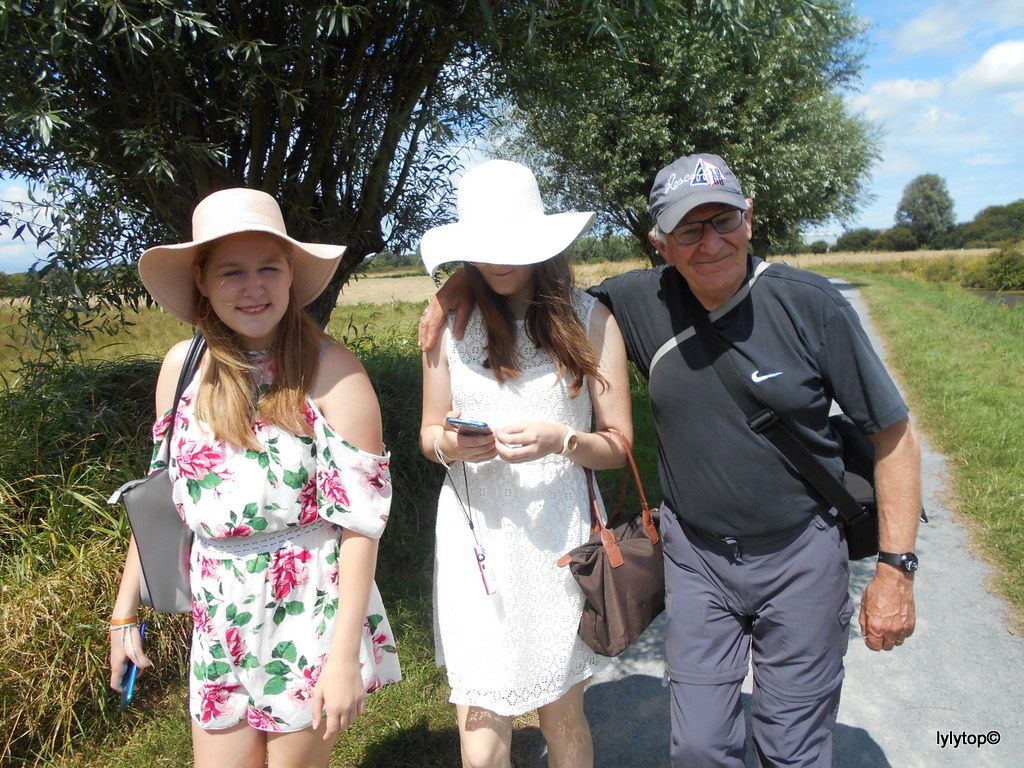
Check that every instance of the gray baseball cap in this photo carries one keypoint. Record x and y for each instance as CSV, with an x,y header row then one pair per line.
x,y
690,181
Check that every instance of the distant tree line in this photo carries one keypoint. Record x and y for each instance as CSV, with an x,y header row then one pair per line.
x,y
924,219
992,227
13,286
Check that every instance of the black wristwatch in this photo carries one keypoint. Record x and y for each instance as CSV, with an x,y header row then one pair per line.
x,y
906,561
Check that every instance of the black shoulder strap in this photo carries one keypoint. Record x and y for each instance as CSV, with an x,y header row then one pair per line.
x,y
764,421
194,353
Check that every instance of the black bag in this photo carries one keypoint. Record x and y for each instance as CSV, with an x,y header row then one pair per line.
x,y
859,482
621,572
163,540
854,498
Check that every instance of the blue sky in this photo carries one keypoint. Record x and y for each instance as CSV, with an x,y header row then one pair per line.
x,y
944,81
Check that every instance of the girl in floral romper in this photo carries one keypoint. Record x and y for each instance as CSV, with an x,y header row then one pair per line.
x,y
278,467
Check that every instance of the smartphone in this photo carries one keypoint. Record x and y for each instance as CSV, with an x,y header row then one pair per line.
x,y
128,678
469,426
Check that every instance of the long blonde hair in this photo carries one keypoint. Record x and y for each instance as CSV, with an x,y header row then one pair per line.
x,y
551,324
227,400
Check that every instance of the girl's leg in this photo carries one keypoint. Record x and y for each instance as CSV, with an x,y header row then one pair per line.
x,y
567,731
300,749
239,746
486,738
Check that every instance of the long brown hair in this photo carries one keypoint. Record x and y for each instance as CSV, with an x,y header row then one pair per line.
x,y
551,324
227,400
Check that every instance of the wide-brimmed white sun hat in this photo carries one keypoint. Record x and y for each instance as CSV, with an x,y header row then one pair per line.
x,y
501,221
166,270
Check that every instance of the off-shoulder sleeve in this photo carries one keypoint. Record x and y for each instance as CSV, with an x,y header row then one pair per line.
x,y
353,487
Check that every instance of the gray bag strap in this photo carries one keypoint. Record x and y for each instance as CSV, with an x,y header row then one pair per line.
x,y
193,355
683,335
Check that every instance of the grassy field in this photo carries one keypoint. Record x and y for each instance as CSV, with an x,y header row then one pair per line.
x,y
73,434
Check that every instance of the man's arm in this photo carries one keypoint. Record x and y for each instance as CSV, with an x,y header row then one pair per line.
x,y
887,608
456,295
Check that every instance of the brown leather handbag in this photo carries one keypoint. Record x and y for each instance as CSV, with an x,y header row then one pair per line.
x,y
620,571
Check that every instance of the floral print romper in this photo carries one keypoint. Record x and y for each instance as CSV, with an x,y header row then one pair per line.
x,y
264,564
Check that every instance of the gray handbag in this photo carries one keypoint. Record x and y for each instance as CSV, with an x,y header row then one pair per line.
x,y
163,540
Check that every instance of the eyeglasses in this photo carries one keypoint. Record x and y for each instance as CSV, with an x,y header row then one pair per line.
x,y
692,231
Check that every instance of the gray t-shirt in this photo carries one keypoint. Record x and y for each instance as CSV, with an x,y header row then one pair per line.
x,y
802,346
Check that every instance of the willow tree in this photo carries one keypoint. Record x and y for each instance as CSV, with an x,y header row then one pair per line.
x,y
767,98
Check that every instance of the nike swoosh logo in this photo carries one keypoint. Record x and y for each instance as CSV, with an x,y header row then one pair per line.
x,y
757,377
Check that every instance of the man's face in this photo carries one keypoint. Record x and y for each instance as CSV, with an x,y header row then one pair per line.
x,y
715,265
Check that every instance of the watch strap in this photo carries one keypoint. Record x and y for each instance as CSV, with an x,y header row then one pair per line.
x,y
569,442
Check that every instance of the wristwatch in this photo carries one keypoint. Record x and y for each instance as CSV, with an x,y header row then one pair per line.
x,y
906,561
570,442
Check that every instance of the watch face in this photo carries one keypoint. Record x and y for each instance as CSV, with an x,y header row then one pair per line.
x,y
571,443
909,562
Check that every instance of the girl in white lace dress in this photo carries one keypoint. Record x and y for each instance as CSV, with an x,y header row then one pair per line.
x,y
278,467
544,366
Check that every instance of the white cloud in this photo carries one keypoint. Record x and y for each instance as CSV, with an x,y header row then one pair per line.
x,y
1000,69
934,30
1006,13
937,120
13,193
989,159
888,100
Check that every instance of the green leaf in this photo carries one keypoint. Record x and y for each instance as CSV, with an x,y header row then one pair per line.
x,y
258,564
217,670
295,480
276,668
211,480
274,685
285,650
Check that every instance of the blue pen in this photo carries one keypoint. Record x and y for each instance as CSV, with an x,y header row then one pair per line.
x,y
128,679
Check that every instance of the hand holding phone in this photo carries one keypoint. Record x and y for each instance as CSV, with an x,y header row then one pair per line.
x,y
469,426
131,671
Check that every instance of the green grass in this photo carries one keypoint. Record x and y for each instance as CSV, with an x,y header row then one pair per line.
x,y
961,361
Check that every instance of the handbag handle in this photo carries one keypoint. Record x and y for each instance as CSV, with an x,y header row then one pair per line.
x,y
195,350
597,524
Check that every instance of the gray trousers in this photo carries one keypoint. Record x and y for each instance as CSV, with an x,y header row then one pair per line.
x,y
784,599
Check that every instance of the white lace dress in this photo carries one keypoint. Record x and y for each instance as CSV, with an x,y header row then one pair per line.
x,y
516,649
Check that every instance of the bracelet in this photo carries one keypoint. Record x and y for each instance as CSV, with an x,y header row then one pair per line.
x,y
124,622
445,461
117,627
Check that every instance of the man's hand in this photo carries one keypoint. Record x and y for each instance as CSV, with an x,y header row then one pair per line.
x,y
456,295
887,615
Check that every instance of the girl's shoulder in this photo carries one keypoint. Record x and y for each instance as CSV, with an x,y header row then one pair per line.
x,y
336,362
583,305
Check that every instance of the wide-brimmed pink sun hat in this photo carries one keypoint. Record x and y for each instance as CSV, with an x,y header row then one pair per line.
x,y
166,270
501,221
